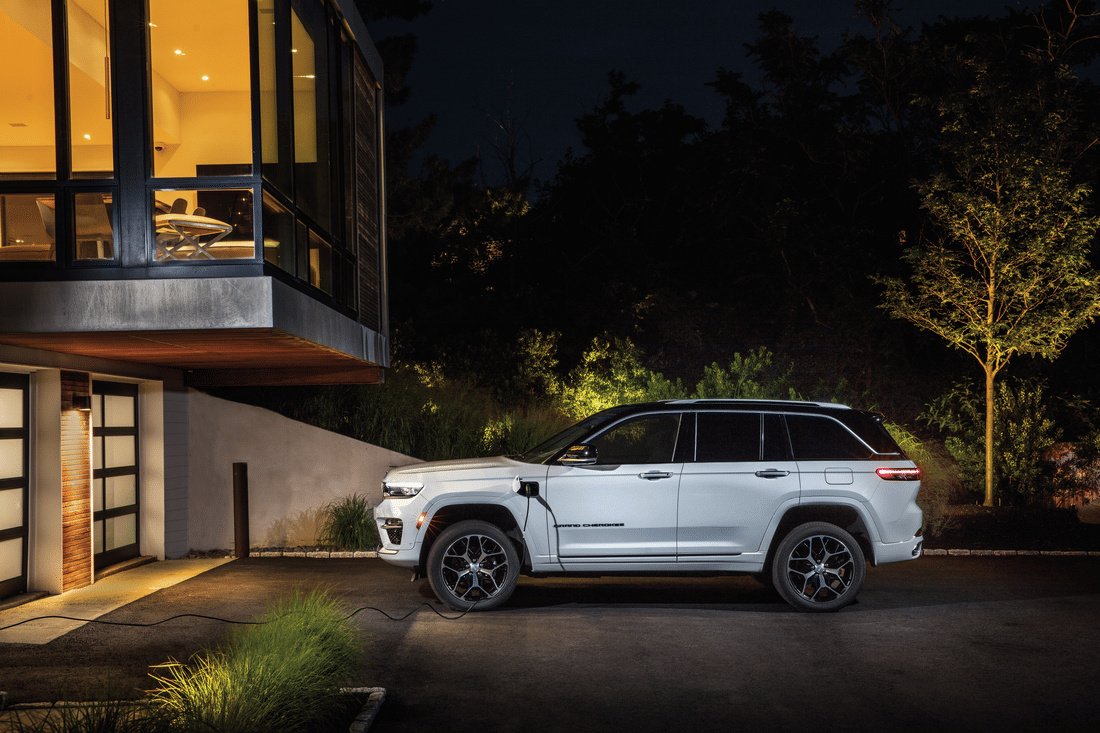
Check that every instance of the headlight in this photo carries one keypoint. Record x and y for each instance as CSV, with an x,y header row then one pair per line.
x,y
401,489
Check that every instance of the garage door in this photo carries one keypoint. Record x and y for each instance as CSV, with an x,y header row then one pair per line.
x,y
14,440
114,472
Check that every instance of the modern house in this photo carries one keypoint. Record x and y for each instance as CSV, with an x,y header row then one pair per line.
x,y
190,195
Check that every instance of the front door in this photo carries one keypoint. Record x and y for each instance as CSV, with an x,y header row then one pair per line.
x,y
14,452
114,472
624,506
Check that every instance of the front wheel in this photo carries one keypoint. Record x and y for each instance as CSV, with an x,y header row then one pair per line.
x,y
818,567
473,564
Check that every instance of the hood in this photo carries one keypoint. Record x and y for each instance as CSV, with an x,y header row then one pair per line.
x,y
455,466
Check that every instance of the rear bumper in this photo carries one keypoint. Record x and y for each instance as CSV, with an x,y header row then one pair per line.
x,y
888,552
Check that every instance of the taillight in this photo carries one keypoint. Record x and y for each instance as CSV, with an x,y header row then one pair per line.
x,y
898,474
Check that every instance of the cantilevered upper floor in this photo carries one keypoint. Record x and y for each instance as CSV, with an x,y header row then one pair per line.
x,y
197,185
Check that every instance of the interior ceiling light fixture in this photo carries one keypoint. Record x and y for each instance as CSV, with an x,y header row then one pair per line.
x,y
180,53
205,77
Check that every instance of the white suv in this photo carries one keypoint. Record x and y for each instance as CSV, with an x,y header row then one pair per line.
x,y
795,493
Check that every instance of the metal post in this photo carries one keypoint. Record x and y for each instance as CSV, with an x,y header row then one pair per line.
x,y
240,509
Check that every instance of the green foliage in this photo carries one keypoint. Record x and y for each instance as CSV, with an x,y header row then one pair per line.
x,y
349,524
611,373
751,377
284,675
1022,434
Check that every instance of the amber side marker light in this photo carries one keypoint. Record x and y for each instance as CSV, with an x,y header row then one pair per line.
x,y
898,474
420,519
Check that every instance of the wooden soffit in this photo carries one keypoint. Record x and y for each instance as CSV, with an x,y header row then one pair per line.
x,y
226,357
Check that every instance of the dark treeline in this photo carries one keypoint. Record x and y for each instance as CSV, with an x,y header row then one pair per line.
x,y
697,243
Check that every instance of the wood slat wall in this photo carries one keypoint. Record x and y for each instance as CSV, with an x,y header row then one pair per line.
x,y
76,484
366,196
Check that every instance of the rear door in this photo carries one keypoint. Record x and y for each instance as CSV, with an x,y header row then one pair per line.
x,y
624,506
741,476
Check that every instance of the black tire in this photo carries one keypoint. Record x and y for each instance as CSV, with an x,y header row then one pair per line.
x,y
473,565
818,567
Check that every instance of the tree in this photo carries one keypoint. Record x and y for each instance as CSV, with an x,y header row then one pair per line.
x,y
1002,268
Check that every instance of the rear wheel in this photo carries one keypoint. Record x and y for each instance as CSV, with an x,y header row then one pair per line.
x,y
818,567
472,565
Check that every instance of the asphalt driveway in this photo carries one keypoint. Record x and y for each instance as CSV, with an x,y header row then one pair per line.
x,y
943,643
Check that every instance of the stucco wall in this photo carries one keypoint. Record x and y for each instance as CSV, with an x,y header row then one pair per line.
x,y
293,471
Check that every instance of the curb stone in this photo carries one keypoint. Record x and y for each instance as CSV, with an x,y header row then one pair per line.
x,y
375,697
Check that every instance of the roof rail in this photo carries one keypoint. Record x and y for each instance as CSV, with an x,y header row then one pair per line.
x,y
740,401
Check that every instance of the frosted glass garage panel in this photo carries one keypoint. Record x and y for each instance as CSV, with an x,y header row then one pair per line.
x,y
118,411
11,559
11,458
11,509
119,532
120,491
119,451
11,408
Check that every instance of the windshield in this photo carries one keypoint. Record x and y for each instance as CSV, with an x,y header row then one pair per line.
x,y
548,449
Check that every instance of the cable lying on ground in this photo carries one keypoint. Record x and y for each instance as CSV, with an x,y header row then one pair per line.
x,y
232,621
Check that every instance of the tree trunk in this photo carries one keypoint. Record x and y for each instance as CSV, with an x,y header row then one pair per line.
x,y
989,437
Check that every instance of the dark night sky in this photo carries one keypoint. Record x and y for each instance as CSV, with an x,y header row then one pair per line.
x,y
560,51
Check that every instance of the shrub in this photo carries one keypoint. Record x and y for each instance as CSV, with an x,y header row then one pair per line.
x,y
283,675
349,524
751,377
1022,434
611,373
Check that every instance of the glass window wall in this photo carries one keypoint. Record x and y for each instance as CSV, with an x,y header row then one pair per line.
x,y
93,214
309,71
27,231
27,137
92,146
207,224
201,88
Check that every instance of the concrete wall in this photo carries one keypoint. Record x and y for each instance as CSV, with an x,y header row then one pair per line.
x,y
293,471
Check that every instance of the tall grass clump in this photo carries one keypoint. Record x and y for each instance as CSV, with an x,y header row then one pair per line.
x,y
284,675
349,524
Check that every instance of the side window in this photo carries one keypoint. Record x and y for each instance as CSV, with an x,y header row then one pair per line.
x,y
817,438
726,437
646,439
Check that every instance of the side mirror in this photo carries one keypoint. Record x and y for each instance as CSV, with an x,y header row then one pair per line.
x,y
579,455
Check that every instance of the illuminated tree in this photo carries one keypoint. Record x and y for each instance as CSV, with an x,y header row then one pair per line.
x,y
1001,268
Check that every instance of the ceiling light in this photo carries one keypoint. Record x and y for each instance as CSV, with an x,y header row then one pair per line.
x,y
205,78
87,137
180,53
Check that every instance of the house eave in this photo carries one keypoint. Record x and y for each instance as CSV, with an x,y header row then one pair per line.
x,y
241,330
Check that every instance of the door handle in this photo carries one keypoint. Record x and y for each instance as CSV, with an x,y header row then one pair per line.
x,y
772,473
652,475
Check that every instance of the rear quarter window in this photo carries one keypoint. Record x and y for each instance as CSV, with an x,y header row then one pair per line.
x,y
819,438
